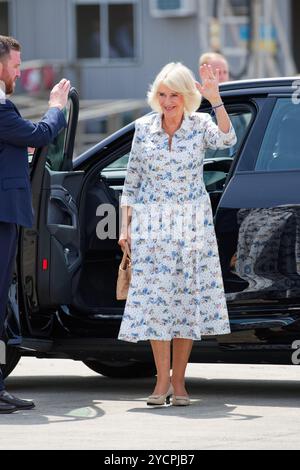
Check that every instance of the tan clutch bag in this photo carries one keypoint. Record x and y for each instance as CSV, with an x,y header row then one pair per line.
x,y
124,275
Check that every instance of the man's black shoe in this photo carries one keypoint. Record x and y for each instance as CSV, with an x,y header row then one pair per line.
x,y
9,399
5,408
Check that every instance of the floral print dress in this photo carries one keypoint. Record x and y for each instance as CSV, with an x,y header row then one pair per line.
x,y
177,287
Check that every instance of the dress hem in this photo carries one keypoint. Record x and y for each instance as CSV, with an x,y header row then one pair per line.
x,y
149,338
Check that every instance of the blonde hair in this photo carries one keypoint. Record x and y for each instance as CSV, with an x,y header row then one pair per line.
x,y
208,57
180,79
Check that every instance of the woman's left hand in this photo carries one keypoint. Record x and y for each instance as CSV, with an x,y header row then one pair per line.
x,y
210,84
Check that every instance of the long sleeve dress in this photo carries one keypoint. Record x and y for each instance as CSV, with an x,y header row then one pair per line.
x,y
177,287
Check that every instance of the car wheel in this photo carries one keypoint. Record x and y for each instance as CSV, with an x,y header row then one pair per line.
x,y
123,370
12,359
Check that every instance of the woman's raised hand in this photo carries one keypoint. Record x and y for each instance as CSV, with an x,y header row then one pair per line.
x,y
209,88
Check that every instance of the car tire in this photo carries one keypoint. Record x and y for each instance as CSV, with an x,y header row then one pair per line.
x,y
12,359
123,370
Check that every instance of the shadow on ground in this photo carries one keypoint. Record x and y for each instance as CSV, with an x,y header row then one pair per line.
x,y
77,398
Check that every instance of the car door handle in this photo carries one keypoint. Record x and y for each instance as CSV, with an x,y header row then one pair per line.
x,y
67,208
63,200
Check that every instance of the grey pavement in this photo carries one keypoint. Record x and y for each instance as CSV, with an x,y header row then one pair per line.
x,y
233,407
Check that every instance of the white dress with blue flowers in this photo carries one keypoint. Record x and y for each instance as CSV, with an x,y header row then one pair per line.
x,y
176,288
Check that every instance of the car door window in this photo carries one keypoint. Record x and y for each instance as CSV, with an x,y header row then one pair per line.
x,y
217,163
114,174
241,121
280,149
119,164
55,155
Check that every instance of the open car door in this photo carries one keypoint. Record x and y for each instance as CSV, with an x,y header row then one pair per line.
x,y
49,253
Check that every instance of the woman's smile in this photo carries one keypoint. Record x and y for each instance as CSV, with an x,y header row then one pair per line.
x,y
170,101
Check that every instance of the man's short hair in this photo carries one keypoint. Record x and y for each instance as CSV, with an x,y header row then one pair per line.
x,y
208,57
7,44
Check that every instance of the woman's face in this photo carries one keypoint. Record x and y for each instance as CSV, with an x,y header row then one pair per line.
x,y
171,102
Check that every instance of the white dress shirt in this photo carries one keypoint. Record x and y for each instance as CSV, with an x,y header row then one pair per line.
x,y
2,95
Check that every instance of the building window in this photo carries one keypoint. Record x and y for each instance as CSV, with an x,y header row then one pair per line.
x,y
121,30
4,19
240,7
88,31
106,30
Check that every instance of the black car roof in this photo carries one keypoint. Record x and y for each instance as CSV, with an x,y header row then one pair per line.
x,y
261,83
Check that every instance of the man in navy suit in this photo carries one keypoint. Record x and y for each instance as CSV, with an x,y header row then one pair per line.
x,y
16,135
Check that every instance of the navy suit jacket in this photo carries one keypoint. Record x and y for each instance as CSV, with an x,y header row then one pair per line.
x,y
16,134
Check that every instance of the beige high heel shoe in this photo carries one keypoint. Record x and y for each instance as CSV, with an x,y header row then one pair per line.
x,y
160,399
180,401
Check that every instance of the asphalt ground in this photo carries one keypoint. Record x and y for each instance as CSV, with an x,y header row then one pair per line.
x,y
232,407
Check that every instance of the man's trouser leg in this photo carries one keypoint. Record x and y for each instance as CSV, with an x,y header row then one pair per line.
x,y
8,246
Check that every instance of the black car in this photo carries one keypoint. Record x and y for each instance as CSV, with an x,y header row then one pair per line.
x,y
63,300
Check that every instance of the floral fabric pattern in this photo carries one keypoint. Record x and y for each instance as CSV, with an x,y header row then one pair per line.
x,y
176,288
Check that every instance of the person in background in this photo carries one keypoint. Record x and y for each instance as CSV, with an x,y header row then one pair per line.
x,y
16,135
219,63
216,61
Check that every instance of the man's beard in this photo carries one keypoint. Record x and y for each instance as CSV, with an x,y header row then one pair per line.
x,y
9,85
9,88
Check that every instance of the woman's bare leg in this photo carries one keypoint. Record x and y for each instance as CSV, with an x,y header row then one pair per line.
x,y
181,353
162,352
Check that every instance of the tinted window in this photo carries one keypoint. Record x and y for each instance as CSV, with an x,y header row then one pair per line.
x,y
120,164
280,149
240,121
55,154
